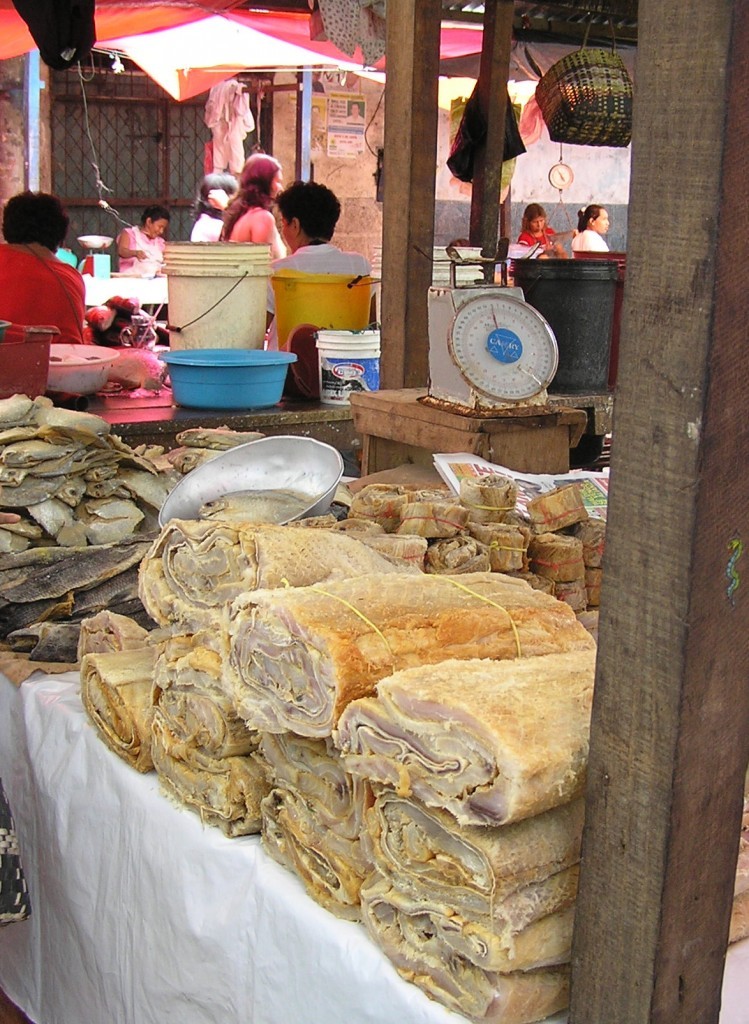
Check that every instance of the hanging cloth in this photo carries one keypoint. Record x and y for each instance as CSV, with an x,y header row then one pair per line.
x,y
352,23
228,115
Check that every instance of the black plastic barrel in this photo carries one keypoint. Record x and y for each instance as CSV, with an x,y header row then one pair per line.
x,y
576,297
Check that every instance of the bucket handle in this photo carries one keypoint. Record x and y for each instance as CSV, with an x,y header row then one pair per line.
x,y
178,330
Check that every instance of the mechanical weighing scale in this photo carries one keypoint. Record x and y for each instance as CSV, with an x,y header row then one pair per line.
x,y
490,352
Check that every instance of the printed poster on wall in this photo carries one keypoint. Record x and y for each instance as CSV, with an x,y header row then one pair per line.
x,y
319,130
347,119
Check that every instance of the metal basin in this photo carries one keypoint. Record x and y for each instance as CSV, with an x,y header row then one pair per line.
x,y
270,463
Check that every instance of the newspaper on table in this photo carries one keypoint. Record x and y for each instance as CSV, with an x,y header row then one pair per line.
x,y
456,466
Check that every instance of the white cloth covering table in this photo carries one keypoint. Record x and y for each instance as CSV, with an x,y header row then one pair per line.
x,y
141,915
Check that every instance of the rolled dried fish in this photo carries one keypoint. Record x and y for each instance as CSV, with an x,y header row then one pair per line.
x,y
544,942
107,631
411,550
225,792
500,874
196,568
490,498
558,508
420,956
557,557
434,519
116,693
331,867
299,656
189,693
593,580
507,545
592,534
381,504
517,743
457,555
573,593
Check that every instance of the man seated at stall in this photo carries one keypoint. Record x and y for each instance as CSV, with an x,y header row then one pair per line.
x,y
309,215
36,288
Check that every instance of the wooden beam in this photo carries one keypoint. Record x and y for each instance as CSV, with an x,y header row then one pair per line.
x,y
492,95
413,38
670,732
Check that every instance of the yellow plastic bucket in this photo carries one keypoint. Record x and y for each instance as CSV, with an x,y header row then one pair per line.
x,y
328,301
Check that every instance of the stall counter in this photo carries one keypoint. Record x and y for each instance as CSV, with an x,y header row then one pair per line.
x,y
142,915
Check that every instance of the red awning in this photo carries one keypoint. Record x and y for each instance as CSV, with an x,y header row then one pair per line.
x,y
112,19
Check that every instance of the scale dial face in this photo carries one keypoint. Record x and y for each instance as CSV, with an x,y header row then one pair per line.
x,y
503,347
561,176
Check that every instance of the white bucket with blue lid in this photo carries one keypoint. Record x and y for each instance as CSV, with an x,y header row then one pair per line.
x,y
349,362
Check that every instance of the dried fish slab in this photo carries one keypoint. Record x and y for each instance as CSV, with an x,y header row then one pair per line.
x,y
116,693
300,655
196,568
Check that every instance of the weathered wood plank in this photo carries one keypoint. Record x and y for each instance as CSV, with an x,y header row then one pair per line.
x,y
413,36
670,733
492,93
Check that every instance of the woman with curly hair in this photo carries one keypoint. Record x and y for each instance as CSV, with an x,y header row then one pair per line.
x,y
248,217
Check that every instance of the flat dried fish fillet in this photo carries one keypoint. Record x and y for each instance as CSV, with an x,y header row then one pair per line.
x,y
116,693
545,942
331,867
516,745
47,642
76,569
218,438
225,792
418,955
482,872
195,568
299,656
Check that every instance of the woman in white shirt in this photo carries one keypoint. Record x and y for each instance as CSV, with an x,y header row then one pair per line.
x,y
592,224
215,192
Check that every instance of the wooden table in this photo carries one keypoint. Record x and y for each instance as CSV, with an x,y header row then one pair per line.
x,y
397,428
155,419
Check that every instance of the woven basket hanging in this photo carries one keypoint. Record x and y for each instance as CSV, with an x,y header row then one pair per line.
x,y
586,99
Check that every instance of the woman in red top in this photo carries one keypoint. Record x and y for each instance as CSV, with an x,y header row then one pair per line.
x,y
35,287
535,232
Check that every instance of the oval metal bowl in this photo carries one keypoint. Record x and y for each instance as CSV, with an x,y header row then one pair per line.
x,y
270,463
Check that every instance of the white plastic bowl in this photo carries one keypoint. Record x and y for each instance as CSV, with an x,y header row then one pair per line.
x,y
79,369
95,241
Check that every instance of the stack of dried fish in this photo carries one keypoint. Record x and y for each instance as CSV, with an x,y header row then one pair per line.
x,y
201,444
554,546
312,819
203,753
46,592
475,829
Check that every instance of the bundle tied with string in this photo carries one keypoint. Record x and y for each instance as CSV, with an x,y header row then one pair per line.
x,y
586,99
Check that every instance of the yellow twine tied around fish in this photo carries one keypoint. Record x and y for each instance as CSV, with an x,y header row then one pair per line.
x,y
361,615
488,600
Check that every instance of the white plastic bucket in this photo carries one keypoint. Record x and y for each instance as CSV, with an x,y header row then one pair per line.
x,y
217,294
349,362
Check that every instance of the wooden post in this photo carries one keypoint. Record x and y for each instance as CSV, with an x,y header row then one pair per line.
x,y
492,92
413,35
670,734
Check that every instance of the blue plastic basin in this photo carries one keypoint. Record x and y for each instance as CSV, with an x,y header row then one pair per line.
x,y
227,378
